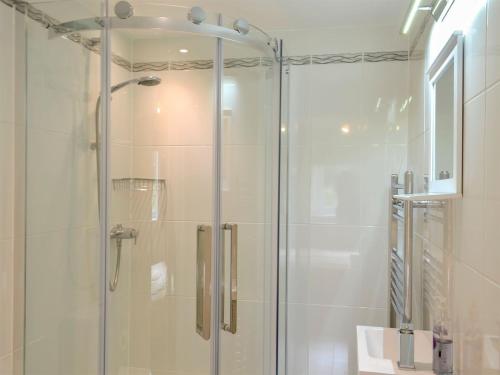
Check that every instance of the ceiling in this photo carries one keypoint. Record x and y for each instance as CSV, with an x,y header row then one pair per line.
x,y
305,14
268,14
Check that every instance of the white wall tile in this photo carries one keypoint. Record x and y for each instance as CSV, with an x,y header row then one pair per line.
x,y
333,103
7,170
62,185
189,183
335,185
492,152
493,43
6,365
339,197
385,103
474,56
342,259
473,152
7,64
6,296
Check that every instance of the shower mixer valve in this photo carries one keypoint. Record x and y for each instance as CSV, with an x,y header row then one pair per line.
x,y
118,232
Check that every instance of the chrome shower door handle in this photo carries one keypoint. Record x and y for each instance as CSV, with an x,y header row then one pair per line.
x,y
233,307
203,280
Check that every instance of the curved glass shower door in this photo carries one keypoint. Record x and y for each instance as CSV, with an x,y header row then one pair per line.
x,y
62,251
248,130
161,190
151,195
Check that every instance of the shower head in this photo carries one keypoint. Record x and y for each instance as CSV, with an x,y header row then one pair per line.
x,y
149,81
143,81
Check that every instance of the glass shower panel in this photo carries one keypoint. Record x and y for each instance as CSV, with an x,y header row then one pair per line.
x,y
161,195
246,193
62,284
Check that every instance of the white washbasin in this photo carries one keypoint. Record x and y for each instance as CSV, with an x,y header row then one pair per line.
x,y
378,351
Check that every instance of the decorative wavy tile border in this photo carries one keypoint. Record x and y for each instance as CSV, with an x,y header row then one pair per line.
x,y
347,58
385,56
297,60
94,46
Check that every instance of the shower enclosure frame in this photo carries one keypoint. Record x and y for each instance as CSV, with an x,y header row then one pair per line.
x,y
270,47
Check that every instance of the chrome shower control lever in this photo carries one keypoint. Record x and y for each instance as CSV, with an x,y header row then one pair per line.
x,y
121,233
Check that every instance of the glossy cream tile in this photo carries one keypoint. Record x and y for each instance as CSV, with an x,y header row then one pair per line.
x,y
298,262
189,181
7,174
179,111
467,315
62,185
335,185
335,115
375,185
243,184
332,345
243,353
491,240
6,297
492,152
6,365
385,103
300,184
493,43
341,260
475,55
7,64
473,148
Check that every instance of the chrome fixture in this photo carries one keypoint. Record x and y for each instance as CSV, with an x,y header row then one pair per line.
x,y
401,270
406,336
203,280
119,233
197,15
124,10
242,26
401,278
194,24
143,81
233,285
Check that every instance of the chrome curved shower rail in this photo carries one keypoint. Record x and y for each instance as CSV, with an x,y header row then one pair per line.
x,y
163,23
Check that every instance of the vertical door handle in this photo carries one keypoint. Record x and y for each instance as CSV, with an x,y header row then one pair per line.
x,y
203,280
233,307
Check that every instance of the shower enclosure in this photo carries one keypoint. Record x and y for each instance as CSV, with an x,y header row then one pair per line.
x,y
152,180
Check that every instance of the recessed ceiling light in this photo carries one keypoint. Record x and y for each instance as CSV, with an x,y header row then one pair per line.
x,y
183,50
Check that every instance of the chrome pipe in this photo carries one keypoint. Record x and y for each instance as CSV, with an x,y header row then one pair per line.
x,y
408,182
406,337
408,255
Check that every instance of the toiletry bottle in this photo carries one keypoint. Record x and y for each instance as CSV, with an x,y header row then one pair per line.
x,y
442,345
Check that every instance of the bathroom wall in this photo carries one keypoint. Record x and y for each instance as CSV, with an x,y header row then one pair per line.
x,y
472,224
348,134
7,189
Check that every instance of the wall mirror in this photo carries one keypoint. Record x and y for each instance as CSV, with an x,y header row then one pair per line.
x,y
445,78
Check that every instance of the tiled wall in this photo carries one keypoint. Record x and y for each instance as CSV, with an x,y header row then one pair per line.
x,y
473,224
7,190
348,134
